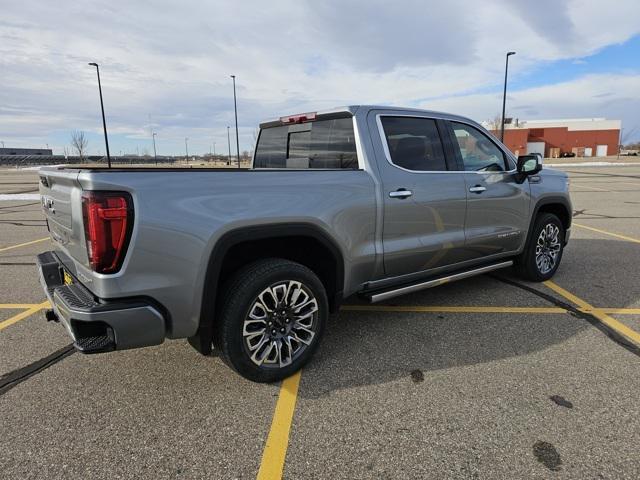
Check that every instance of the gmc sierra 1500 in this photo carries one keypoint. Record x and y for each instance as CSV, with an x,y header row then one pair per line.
x,y
366,200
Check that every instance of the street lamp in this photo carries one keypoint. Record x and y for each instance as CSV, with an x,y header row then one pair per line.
x,y
229,143
104,122
504,94
155,155
235,108
186,147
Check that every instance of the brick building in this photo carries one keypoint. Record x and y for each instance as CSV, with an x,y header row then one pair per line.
x,y
585,137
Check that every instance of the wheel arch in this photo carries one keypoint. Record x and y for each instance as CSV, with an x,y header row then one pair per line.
x,y
320,253
557,205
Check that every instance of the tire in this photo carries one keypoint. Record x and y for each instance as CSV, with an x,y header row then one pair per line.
x,y
288,344
537,262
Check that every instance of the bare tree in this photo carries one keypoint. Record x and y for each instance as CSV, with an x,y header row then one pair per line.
x,y
626,136
494,123
79,142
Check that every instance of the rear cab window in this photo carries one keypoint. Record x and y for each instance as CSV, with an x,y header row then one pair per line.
x,y
326,143
413,143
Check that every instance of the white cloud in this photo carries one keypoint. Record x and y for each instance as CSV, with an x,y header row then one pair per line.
x,y
604,95
167,64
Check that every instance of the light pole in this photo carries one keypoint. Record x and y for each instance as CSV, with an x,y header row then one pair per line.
x,y
186,147
104,122
229,143
504,94
235,108
155,155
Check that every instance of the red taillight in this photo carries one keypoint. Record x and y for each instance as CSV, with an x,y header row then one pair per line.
x,y
301,118
108,218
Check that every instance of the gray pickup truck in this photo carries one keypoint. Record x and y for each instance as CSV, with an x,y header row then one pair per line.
x,y
361,200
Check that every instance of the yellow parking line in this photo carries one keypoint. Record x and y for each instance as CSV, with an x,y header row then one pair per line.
x,y
16,306
23,315
617,235
275,450
448,309
424,309
4,249
605,319
621,311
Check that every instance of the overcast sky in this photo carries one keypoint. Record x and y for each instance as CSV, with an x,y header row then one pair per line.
x,y
165,65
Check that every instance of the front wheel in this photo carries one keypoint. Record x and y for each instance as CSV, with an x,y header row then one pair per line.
x,y
272,319
541,256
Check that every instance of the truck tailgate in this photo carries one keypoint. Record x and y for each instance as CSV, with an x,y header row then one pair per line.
x,y
61,197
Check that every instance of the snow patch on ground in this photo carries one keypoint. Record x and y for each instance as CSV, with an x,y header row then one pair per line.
x,y
592,164
10,197
38,167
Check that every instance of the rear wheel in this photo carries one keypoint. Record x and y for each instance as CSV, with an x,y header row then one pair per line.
x,y
272,319
542,254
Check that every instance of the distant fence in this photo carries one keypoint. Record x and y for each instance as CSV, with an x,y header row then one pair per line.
x,y
35,160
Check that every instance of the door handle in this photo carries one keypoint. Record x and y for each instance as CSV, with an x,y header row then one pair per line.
x,y
401,193
477,189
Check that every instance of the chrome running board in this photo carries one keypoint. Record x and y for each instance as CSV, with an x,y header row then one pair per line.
x,y
386,294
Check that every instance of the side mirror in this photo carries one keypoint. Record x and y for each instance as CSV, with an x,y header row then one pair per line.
x,y
529,164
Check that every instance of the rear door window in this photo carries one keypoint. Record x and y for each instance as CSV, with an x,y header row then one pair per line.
x,y
320,144
414,143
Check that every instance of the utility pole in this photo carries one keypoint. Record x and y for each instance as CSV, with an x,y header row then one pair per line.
x,y
504,94
104,122
235,108
155,155
186,147
229,143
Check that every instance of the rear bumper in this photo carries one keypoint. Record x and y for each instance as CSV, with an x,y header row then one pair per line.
x,y
98,325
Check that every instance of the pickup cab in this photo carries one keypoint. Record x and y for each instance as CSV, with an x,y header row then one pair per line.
x,y
360,200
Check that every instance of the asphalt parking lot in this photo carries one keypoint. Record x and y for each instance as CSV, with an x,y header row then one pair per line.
x,y
485,378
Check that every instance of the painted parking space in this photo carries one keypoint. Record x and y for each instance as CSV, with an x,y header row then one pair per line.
x,y
488,377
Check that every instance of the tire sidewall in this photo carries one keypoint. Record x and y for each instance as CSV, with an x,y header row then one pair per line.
x,y
237,306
